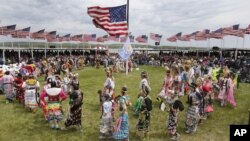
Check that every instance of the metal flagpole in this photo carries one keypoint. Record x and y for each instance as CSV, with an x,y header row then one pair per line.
x,y
236,50
3,50
19,56
32,47
176,46
209,47
243,45
4,56
45,50
57,48
128,35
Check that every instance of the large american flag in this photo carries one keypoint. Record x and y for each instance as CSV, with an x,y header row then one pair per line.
x,y
217,34
6,30
39,34
155,37
202,35
89,37
142,39
21,33
111,19
175,37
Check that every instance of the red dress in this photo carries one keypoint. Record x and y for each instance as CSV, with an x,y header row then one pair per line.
x,y
19,90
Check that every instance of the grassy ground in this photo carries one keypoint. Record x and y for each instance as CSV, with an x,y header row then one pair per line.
x,y
17,124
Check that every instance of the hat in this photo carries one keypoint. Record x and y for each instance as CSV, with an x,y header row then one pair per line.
x,y
124,89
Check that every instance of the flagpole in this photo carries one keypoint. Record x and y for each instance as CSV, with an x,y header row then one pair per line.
x,y
243,45
236,50
128,35
45,50
19,56
32,48
209,47
176,46
3,50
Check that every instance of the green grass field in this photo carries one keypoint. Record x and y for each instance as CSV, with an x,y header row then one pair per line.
x,y
18,124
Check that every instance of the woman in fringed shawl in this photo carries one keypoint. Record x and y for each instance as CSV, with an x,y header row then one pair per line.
x,y
173,119
121,131
75,109
193,117
230,97
106,127
224,90
7,81
146,106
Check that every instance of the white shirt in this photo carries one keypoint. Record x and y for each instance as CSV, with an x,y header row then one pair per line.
x,y
107,108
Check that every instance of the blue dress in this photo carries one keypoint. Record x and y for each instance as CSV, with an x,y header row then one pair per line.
x,y
123,133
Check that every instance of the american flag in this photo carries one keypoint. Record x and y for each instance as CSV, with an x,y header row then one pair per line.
x,y
233,30
192,35
21,33
142,39
6,30
51,36
175,37
247,30
103,38
202,35
39,34
123,39
77,38
66,37
155,37
114,38
89,37
217,34
185,37
111,19
131,37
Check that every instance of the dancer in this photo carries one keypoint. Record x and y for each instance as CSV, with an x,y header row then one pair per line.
x,y
106,126
173,119
193,117
121,132
8,86
55,97
75,110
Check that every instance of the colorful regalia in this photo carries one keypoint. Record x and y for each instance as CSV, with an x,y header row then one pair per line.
x,y
106,126
55,97
7,82
75,109
31,86
193,116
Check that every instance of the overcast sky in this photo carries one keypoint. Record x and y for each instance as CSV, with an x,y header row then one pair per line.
x,y
166,17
